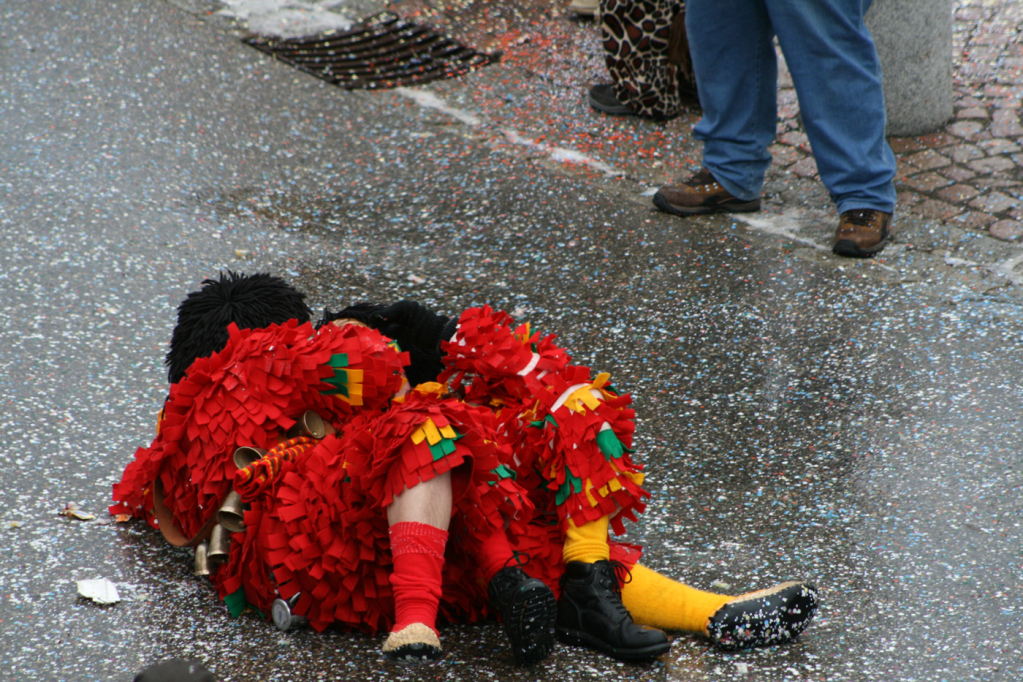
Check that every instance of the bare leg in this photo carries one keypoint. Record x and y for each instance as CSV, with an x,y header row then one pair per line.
x,y
428,503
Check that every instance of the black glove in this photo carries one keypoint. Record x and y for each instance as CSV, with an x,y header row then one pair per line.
x,y
411,325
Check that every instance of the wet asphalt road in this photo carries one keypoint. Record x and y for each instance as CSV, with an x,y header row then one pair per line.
x,y
801,416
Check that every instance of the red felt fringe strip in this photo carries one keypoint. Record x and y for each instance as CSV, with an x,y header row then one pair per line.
x,y
487,353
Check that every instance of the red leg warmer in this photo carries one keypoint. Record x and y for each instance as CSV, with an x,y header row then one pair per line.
x,y
418,554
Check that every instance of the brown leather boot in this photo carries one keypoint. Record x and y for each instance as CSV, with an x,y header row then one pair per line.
x,y
862,232
701,194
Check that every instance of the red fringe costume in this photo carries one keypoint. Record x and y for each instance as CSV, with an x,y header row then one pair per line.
x,y
317,524
570,436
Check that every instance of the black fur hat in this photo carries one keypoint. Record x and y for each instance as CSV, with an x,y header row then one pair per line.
x,y
363,312
250,301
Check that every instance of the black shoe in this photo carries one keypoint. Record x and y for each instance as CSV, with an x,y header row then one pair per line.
x,y
603,99
528,608
591,614
763,618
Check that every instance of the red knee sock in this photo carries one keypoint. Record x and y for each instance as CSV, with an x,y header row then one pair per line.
x,y
493,554
417,551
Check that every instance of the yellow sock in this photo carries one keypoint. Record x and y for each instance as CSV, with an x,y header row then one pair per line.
x,y
587,543
661,602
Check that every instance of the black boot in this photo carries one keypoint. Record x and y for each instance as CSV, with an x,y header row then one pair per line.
x,y
591,614
527,609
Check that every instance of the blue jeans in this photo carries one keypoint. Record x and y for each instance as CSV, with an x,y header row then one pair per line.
x,y
837,77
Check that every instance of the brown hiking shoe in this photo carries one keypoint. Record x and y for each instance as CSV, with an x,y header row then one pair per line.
x,y
701,194
862,232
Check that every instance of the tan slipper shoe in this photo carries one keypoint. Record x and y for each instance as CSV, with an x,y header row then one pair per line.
x,y
413,644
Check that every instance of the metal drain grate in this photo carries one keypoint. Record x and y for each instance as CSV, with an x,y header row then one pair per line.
x,y
379,54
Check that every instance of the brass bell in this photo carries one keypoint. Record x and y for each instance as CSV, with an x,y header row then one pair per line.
x,y
220,545
202,566
245,455
310,424
232,513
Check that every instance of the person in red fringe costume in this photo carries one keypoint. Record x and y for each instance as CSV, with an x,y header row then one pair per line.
x,y
527,468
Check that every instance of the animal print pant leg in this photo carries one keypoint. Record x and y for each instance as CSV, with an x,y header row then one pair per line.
x,y
636,38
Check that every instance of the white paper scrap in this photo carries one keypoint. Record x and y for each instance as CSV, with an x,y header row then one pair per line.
x,y
100,590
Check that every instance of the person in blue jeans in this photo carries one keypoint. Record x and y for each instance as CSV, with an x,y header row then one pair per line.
x,y
837,77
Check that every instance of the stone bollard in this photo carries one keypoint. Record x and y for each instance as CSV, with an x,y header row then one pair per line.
x,y
914,43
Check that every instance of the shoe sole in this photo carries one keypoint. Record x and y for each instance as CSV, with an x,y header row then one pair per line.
x,y
668,207
577,638
851,249
530,623
775,618
414,653
624,111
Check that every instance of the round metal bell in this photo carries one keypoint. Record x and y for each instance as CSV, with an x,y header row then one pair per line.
x,y
220,545
232,513
245,455
282,616
309,424
202,566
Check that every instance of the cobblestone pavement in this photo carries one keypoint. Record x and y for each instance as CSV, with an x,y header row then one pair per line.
x,y
971,172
